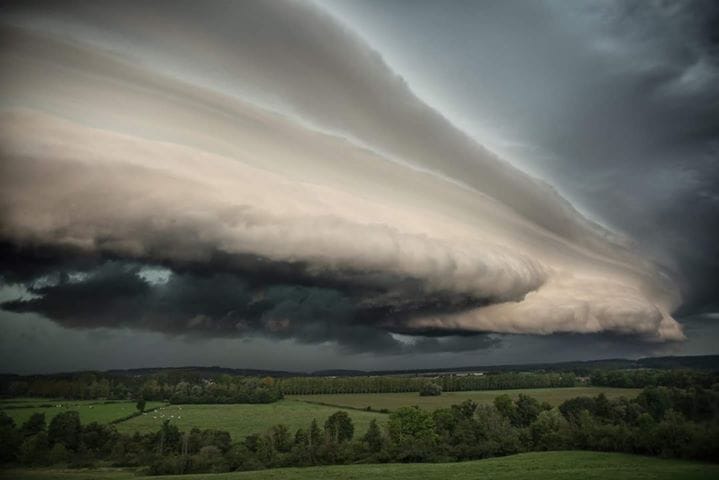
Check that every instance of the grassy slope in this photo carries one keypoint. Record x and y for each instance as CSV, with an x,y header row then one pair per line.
x,y
529,466
391,401
89,411
243,420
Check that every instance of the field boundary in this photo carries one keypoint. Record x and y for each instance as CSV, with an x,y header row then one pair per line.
x,y
68,402
135,414
368,409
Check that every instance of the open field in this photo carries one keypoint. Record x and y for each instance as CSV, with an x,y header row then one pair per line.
x,y
25,402
529,466
243,419
90,411
392,401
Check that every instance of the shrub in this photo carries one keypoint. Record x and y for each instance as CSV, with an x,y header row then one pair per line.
x,y
430,389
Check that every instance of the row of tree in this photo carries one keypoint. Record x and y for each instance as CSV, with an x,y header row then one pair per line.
x,y
175,388
190,387
643,377
682,423
447,383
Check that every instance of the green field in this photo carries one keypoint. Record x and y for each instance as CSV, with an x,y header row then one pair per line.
x,y
25,402
392,401
529,466
90,411
242,419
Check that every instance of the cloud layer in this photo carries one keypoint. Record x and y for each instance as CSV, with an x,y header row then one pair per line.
x,y
291,182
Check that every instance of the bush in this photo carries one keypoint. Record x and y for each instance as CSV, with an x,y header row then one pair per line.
x,y
430,389
34,450
59,454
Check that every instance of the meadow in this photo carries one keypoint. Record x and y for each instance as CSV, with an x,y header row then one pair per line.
x,y
392,401
90,410
294,411
241,420
529,466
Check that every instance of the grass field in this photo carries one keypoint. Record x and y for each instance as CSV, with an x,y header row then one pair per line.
x,y
90,411
527,466
25,402
242,420
392,401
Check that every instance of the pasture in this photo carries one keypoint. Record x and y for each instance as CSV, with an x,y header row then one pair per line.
x,y
526,466
392,401
241,420
89,410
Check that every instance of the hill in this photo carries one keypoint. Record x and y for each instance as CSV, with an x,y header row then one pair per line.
x,y
529,466
695,362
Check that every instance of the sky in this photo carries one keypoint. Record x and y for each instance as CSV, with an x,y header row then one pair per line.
x,y
385,184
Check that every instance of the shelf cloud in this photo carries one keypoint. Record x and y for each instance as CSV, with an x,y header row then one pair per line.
x,y
286,183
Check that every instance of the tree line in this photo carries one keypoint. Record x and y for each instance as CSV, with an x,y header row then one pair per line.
x,y
162,387
448,383
663,421
643,377
188,387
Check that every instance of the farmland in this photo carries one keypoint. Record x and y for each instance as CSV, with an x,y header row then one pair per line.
x,y
392,401
534,466
242,419
90,411
295,411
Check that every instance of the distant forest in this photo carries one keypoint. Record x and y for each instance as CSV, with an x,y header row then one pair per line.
x,y
189,386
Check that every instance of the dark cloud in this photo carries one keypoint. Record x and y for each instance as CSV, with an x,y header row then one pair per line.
x,y
614,101
138,108
205,303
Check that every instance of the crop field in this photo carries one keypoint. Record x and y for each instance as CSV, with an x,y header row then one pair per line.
x,y
90,411
392,401
243,419
529,466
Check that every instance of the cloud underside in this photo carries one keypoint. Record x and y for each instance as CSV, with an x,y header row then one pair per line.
x,y
361,217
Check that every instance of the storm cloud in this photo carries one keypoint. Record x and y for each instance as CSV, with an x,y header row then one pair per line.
x,y
289,184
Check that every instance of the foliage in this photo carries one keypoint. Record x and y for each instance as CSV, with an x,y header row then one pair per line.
x,y
175,388
65,428
430,389
339,427
379,402
661,421
447,383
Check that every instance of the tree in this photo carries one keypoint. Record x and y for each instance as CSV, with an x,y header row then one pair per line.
x,y
265,450
410,423
527,410
430,389
465,409
140,405
281,439
498,435
34,450
339,427
98,438
314,438
169,438
412,435
656,401
59,454
505,407
550,431
65,428
34,425
301,437
373,437
10,438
